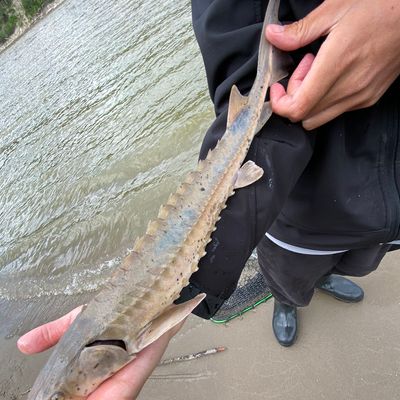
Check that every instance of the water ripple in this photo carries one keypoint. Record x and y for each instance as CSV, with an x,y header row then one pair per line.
x,y
103,109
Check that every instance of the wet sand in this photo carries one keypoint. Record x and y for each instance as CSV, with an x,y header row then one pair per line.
x,y
344,351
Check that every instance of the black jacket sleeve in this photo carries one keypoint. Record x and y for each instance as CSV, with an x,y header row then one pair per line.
x,y
228,33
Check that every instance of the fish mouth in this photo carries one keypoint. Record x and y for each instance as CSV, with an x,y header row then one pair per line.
x,y
112,342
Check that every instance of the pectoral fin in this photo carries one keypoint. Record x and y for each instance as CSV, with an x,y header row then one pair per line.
x,y
171,317
249,173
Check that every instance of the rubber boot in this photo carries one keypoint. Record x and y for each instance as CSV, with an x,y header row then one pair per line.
x,y
284,323
340,288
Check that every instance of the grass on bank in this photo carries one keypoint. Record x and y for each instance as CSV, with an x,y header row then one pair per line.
x,y
8,19
32,7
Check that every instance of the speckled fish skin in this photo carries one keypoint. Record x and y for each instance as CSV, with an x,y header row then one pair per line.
x,y
135,306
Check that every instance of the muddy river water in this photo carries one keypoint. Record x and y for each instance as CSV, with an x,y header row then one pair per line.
x,y
103,106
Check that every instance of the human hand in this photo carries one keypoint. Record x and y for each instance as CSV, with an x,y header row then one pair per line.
x,y
127,382
358,61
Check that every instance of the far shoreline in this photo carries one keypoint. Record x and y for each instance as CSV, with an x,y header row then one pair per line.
x,y
21,30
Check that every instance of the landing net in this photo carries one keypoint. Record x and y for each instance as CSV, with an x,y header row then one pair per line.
x,y
251,291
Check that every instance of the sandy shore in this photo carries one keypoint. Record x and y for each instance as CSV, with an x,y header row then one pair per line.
x,y
344,351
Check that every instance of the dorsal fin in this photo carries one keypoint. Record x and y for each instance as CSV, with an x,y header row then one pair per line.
x,y
281,63
266,113
236,103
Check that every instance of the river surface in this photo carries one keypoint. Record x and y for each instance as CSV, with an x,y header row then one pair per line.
x,y
103,108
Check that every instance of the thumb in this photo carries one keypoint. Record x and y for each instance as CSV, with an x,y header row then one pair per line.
x,y
47,335
301,33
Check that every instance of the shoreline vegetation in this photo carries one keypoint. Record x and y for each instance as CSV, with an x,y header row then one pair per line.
x,y
17,16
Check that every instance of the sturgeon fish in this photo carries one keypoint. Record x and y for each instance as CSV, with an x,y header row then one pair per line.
x,y
136,305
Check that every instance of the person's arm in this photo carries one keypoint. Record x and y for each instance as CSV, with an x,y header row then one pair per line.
x,y
358,61
228,35
127,383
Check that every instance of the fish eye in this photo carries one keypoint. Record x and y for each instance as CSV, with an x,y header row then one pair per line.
x,y
58,396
